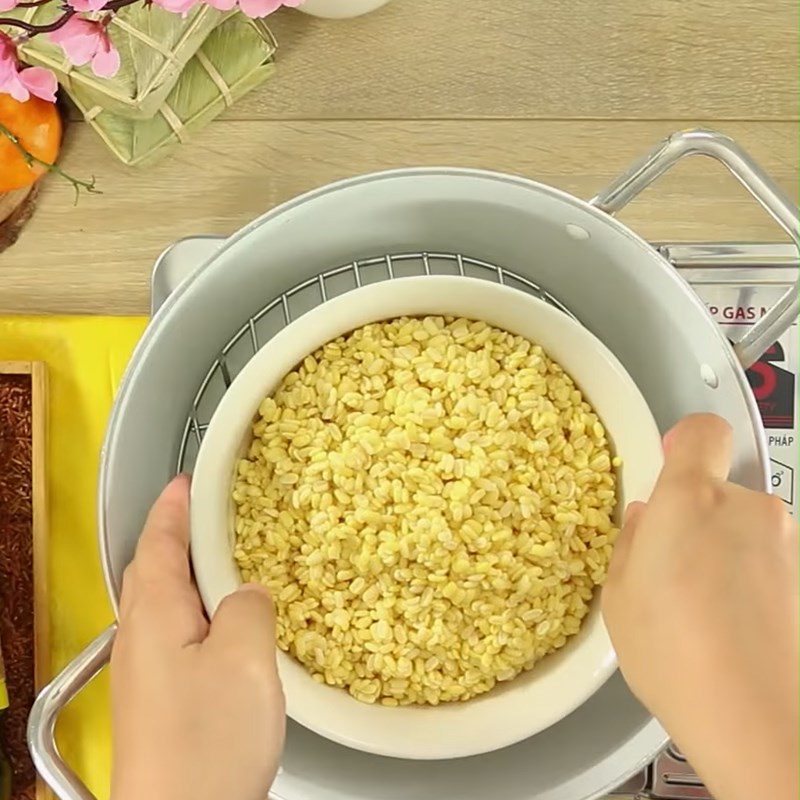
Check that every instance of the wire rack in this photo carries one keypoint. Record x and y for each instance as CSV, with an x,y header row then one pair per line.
x,y
308,294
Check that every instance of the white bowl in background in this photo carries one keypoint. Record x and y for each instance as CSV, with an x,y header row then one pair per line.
x,y
535,699
339,9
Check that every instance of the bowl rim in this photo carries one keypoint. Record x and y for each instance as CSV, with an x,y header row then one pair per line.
x,y
231,407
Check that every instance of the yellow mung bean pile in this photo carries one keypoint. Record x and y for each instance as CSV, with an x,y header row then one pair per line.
x,y
429,501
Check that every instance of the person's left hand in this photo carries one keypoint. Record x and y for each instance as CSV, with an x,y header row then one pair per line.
x,y
198,708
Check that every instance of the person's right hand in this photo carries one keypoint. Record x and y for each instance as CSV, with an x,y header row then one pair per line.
x,y
702,605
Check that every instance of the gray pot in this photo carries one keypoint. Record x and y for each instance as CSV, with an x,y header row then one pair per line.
x,y
529,235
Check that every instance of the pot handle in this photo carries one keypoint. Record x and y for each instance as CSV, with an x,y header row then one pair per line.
x,y
769,195
48,705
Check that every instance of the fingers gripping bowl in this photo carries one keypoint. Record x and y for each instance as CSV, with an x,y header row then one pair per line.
x,y
514,709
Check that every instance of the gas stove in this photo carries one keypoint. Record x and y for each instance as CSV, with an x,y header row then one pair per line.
x,y
738,283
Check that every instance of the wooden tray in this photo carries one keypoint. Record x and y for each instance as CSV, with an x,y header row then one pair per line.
x,y
24,614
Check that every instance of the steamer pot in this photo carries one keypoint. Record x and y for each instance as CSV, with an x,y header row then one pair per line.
x,y
536,238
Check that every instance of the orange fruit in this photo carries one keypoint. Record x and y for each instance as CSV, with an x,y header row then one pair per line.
x,y
37,124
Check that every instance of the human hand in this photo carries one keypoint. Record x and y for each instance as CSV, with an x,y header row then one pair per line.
x,y
701,602
198,709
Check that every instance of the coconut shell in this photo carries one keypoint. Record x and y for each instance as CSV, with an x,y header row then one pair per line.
x,y
16,208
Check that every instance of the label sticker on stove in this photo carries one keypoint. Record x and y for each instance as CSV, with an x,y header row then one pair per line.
x,y
782,480
773,387
773,378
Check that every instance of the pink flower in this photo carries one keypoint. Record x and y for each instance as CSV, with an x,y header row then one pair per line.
x,y
22,83
8,5
85,5
175,6
261,8
85,40
220,5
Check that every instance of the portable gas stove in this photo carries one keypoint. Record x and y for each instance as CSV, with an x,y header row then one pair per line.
x,y
738,283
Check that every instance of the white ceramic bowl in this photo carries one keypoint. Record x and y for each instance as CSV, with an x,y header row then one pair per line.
x,y
559,683
340,9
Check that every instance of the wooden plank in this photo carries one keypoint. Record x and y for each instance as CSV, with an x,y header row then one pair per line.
x,y
97,257
41,599
16,367
41,535
536,59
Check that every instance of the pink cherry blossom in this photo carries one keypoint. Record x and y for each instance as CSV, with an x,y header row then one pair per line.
x,y
22,83
8,5
84,41
85,5
261,8
175,6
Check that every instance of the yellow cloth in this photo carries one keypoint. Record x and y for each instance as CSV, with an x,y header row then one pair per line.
x,y
85,358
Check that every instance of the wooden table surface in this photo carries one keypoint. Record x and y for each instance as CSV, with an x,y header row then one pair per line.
x,y
565,92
